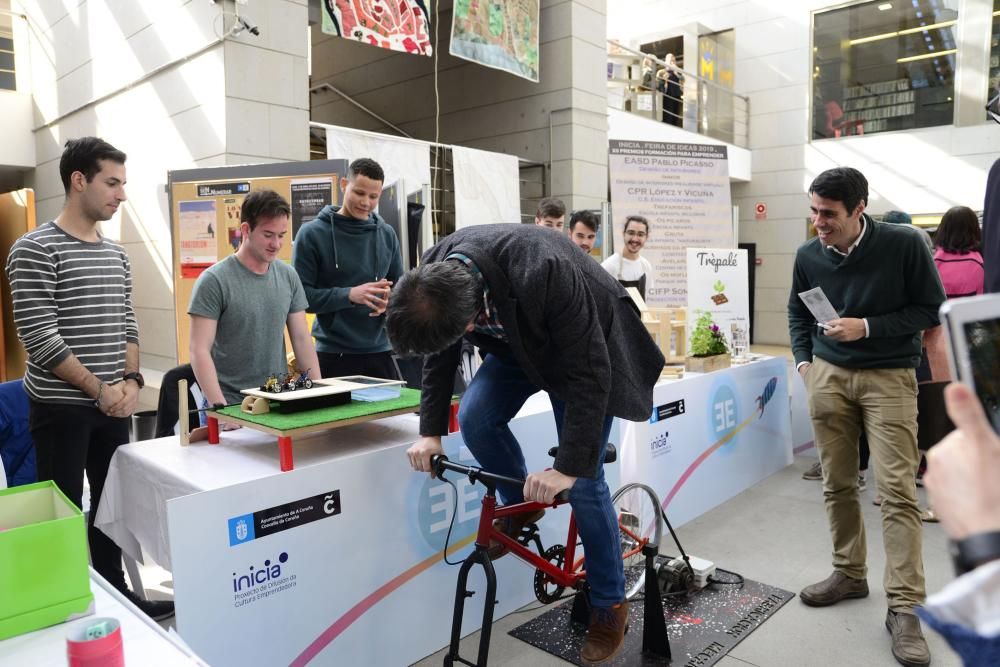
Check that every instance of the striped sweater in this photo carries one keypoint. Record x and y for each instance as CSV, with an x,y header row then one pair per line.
x,y
70,297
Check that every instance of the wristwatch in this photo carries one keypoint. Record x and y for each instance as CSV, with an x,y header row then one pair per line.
x,y
975,550
137,376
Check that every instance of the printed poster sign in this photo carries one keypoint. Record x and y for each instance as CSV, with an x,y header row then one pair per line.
x,y
309,196
233,207
683,191
501,35
197,236
718,282
397,25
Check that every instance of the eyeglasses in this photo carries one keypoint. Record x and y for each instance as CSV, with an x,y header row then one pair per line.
x,y
992,108
642,235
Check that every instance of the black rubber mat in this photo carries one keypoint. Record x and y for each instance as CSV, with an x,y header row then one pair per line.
x,y
702,627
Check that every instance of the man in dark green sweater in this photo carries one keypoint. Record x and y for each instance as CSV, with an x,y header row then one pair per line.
x,y
859,371
348,259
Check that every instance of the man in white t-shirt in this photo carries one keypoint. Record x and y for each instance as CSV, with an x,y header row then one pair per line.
x,y
628,267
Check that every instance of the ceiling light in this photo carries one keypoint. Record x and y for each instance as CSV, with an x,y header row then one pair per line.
x,y
885,6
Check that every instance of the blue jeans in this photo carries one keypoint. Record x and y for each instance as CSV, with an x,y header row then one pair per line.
x,y
494,397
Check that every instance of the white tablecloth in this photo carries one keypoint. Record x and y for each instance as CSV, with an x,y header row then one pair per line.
x,y
146,643
143,476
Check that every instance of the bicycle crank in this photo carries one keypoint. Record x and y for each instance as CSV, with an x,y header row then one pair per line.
x,y
546,591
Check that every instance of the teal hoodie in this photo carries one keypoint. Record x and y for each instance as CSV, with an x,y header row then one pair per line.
x,y
334,253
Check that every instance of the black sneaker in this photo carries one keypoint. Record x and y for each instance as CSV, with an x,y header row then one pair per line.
x,y
158,610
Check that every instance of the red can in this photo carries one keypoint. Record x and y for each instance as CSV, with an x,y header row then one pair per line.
x,y
95,642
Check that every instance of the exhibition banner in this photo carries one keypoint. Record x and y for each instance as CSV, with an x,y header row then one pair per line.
x,y
487,187
341,563
501,35
710,437
718,283
398,25
403,159
683,191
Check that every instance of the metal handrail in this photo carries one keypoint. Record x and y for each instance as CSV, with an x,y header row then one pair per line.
x,y
683,71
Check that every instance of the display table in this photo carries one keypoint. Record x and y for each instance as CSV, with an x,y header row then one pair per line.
x,y
350,542
143,476
145,642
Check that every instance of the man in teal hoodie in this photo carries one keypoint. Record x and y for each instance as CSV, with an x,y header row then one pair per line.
x,y
348,259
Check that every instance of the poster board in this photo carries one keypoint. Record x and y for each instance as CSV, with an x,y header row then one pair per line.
x,y
718,283
683,190
199,197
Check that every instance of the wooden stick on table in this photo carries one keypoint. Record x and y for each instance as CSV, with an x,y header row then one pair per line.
x,y
182,412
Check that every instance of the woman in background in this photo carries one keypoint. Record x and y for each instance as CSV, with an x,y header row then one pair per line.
x,y
956,253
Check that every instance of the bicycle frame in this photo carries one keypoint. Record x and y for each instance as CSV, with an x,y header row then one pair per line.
x,y
568,576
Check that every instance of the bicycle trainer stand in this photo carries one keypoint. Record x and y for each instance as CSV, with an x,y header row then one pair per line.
x,y
655,640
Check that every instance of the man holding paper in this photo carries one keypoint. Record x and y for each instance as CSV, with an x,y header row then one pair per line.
x,y
879,284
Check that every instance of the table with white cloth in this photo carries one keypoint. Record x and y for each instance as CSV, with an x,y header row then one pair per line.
x,y
144,642
143,476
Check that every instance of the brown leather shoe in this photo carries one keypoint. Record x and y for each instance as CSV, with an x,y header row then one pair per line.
x,y
511,526
605,634
838,586
908,644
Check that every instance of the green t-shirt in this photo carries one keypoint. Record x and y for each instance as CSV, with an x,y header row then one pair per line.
x,y
251,311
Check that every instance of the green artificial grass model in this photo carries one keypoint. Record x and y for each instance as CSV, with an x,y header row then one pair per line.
x,y
408,398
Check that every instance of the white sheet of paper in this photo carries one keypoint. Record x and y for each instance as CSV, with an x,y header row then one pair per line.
x,y
817,303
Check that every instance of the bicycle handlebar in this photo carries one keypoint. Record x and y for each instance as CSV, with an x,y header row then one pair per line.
x,y
440,463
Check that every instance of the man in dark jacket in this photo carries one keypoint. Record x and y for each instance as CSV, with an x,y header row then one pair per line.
x,y
858,369
348,259
548,318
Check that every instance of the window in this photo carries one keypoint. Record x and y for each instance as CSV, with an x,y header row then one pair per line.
x,y
882,66
994,85
6,61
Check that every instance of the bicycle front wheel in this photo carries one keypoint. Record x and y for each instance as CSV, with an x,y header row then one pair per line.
x,y
637,510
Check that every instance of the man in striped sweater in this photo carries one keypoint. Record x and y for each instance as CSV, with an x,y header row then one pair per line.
x,y
72,293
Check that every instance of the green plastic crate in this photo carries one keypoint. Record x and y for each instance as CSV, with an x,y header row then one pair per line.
x,y
43,559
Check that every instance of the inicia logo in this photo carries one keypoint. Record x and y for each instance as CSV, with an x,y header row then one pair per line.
x,y
659,445
259,575
241,529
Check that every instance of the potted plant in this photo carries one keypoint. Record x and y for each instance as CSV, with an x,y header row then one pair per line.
x,y
708,350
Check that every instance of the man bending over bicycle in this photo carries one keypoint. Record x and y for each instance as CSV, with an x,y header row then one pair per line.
x,y
548,318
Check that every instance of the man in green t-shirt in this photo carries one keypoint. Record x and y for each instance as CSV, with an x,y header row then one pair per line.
x,y
240,307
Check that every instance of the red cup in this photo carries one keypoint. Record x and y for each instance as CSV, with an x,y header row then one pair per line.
x,y
84,649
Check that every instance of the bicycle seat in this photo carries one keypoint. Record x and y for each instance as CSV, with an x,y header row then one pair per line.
x,y
610,454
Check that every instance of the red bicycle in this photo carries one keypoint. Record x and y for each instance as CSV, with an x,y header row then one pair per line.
x,y
558,567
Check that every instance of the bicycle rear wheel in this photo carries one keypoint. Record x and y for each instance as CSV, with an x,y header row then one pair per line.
x,y
637,510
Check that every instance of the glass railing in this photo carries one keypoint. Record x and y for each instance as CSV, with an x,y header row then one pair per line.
x,y
644,85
